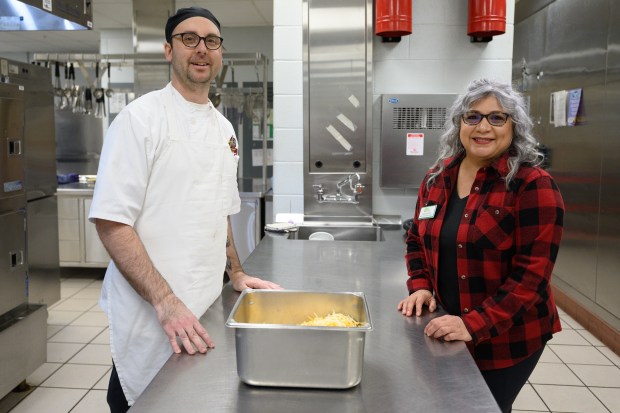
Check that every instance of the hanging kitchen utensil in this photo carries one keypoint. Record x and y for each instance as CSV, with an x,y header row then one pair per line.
x,y
57,87
216,96
88,101
76,93
109,91
98,93
257,108
78,100
65,99
249,105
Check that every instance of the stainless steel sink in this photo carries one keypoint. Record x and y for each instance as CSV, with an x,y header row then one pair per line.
x,y
340,232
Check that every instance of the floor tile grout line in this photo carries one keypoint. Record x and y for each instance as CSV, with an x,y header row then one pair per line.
x,y
540,397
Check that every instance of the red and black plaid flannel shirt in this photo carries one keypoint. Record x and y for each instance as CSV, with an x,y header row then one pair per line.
x,y
507,244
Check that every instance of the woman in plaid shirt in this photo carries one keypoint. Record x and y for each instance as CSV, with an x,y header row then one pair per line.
x,y
484,239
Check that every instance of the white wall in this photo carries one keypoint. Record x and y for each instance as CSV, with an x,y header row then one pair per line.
x,y
437,58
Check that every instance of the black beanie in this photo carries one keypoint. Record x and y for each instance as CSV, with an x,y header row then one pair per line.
x,y
186,13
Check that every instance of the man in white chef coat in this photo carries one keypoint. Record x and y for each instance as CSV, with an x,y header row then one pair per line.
x,y
166,184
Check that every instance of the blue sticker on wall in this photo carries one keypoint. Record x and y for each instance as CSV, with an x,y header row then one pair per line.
x,y
393,100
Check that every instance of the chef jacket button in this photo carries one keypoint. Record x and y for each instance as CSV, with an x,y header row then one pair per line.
x,y
466,310
476,189
497,212
463,277
466,215
460,245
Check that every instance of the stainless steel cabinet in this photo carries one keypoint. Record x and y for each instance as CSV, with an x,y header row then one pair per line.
x,y
12,260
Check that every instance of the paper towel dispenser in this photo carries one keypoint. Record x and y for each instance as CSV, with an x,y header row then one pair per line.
x,y
46,15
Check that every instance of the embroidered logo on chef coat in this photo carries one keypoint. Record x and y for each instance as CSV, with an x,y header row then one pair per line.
x,y
232,142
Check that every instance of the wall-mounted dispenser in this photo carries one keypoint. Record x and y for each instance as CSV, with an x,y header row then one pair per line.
x,y
411,126
337,110
485,19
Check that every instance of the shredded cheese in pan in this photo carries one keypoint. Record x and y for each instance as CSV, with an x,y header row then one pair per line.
x,y
332,320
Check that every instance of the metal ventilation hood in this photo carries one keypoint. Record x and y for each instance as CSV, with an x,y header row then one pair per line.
x,y
46,15
149,21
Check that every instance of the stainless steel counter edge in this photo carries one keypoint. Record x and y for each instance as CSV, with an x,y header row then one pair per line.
x,y
403,369
246,190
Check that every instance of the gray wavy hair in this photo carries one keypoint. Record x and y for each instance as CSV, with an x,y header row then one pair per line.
x,y
523,148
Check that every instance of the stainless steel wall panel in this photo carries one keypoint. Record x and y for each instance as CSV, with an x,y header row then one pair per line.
x,y
572,60
337,86
528,53
337,53
576,39
149,20
580,51
79,138
608,268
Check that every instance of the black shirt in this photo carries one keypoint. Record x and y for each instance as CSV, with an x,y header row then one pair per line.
x,y
448,281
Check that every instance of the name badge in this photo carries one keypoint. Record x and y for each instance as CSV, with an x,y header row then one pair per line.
x,y
428,212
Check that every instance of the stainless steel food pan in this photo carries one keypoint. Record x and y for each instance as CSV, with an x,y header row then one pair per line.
x,y
274,350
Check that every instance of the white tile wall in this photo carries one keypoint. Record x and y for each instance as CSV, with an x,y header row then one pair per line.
x,y
287,42
287,12
290,145
288,177
288,204
291,74
288,111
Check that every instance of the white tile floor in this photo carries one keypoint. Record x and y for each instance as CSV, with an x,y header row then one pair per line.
x,y
576,373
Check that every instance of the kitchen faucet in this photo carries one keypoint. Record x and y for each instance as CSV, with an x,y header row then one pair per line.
x,y
357,189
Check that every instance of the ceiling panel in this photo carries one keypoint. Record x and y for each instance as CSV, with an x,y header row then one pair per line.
x,y
117,14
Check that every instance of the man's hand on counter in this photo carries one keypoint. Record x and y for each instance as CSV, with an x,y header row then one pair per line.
x,y
177,320
241,281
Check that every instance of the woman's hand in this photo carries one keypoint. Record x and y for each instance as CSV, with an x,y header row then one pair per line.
x,y
447,328
417,300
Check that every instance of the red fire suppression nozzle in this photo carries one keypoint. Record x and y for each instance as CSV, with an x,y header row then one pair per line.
x,y
392,19
485,19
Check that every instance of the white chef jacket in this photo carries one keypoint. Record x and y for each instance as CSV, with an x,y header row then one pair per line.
x,y
168,169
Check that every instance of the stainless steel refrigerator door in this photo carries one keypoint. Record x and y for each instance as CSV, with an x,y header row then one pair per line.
x,y
40,141
12,259
42,251
11,141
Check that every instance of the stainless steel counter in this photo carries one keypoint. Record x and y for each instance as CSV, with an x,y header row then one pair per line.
x,y
403,369
248,188
76,188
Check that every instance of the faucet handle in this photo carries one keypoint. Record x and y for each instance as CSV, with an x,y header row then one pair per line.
x,y
319,191
359,188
